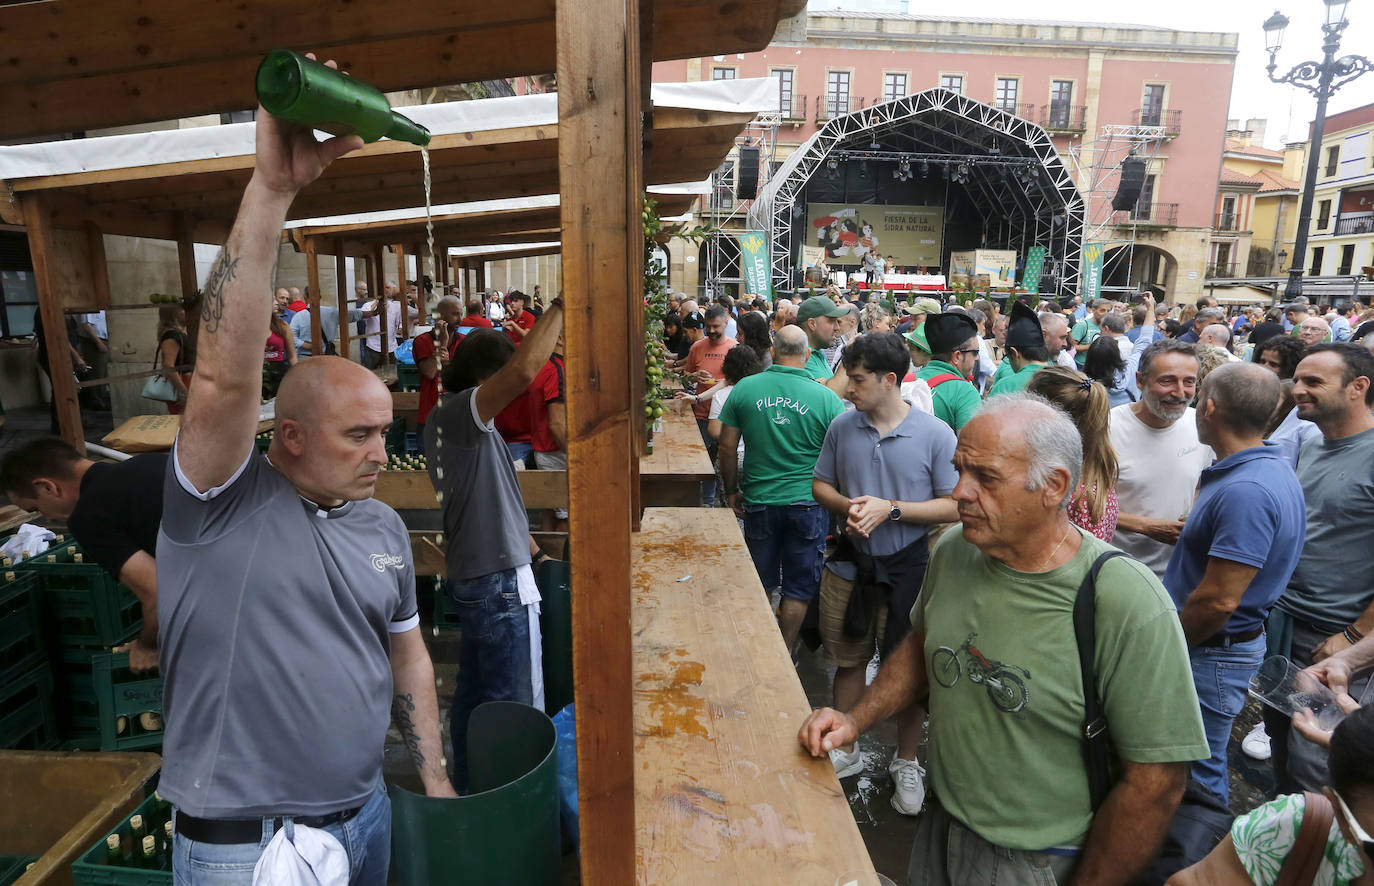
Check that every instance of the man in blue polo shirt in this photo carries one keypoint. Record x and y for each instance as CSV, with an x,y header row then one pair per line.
x,y
1237,551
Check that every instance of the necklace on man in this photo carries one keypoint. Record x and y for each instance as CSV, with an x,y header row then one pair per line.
x,y
1063,538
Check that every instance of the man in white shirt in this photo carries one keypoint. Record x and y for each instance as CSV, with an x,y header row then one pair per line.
x,y
372,345
1159,454
1218,336
95,349
1113,326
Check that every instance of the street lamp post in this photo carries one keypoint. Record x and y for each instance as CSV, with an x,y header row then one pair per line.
x,y
1322,79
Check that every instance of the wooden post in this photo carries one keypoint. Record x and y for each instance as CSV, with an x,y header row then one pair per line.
x,y
50,307
100,271
382,300
312,276
601,182
401,297
480,269
186,256
341,275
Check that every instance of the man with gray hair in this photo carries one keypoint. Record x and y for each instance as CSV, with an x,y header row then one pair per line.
x,y
1313,331
1114,327
1237,551
1218,336
1159,455
1204,318
992,642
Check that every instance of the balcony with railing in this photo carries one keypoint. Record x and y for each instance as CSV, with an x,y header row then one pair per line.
x,y
1025,110
1222,269
1159,215
1227,222
829,107
1171,121
794,108
1354,223
1055,117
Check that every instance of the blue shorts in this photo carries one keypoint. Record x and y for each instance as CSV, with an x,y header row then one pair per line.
x,y
787,544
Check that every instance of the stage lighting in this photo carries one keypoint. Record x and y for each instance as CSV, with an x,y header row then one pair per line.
x,y
925,169
832,164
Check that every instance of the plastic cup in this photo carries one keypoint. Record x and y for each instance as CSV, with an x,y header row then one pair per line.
x,y
1286,688
863,878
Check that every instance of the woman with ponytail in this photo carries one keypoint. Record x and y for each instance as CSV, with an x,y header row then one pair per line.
x,y
1093,506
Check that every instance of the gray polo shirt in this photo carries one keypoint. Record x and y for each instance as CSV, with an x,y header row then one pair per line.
x,y
484,513
274,620
1328,588
915,462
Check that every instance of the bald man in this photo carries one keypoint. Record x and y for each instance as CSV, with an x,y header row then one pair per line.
x,y
1218,336
1313,330
289,632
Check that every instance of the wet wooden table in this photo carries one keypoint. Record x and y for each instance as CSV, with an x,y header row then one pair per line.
x,y
723,792
671,476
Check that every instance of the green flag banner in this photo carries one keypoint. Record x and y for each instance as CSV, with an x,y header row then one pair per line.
x,y
753,247
1035,266
1090,282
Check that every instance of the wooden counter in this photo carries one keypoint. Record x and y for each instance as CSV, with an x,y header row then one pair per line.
x,y
723,792
671,476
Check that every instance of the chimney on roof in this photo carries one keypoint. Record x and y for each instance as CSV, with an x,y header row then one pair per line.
x,y
1257,125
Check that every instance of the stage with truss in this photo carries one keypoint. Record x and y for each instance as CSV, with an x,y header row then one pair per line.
x,y
997,180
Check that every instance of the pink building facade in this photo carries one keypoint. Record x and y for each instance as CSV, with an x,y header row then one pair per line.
x,y
1099,90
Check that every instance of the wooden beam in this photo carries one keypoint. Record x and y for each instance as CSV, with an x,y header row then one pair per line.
x,y
186,256
402,296
600,183
100,270
60,369
312,278
341,275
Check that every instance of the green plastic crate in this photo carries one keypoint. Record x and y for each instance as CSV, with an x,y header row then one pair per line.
x,y
21,627
12,867
445,610
91,870
97,689
263,441
407,377
85,606
62,551
27,720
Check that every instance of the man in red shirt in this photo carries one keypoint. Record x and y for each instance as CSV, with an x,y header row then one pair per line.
x,y
549,417
518,320
475,316
431,351
704,362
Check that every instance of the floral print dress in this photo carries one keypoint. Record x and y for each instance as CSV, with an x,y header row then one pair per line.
x,y
1264,837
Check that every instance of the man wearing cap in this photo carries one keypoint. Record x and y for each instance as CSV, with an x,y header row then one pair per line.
x,y
1026,350
915,390
917,312
816,316
953,341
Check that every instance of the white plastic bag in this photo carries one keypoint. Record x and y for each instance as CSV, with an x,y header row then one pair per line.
x,y
302,856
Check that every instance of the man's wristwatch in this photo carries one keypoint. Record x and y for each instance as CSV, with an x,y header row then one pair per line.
x,y
895,514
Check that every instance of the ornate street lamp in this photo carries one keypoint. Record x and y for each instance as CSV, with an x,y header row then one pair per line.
x,y
1322,79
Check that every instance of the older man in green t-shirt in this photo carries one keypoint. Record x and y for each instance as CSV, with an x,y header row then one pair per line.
x,y
784,415
992,644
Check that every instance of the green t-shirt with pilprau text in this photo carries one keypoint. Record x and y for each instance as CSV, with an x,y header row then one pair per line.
x,y
784,413
1006,692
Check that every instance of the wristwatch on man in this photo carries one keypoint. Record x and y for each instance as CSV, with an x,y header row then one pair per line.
x,y
895,514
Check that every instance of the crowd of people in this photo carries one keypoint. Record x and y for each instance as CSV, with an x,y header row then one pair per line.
x,y
935,484
1056,528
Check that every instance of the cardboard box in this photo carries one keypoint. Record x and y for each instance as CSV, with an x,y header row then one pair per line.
x,y
144,433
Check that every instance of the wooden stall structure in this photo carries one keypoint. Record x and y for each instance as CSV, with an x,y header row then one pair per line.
x,y
658,724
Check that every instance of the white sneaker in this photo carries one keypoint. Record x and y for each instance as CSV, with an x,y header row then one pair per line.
x,y
847,764
909,780
1256,743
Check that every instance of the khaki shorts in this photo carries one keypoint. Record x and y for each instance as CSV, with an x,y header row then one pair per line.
x,y
840,650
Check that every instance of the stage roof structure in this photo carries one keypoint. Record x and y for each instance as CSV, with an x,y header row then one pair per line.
x,y
1008,166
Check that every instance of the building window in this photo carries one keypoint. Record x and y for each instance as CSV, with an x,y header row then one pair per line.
x,y
1147,199
836,93
1333,159
1222,262
1318,253
784,78
1227,222
1152,105
1061,103
894,87
1347,259
1323,214
952,82
722,73
1007,88
18,301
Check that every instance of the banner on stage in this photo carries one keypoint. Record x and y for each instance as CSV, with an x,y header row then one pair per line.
x,y
753,249
980,269
849,233
1035,266
1090,285
811,256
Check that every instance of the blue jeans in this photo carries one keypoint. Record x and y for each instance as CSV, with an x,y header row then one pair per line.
x,y
708,487
366,837
1222,676
787,544
493,654
519,451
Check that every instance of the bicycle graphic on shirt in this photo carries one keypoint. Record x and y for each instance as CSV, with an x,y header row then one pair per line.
x,y
1006,689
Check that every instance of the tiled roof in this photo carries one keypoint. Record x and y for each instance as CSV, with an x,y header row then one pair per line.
x,y
1273,182
1235,147
1231,177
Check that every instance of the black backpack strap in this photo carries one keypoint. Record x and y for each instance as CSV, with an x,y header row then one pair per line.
x,y
1097,739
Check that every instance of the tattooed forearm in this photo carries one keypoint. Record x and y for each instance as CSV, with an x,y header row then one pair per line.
x,y
224,270
402,711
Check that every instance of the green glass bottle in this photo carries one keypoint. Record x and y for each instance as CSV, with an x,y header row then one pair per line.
x,y
114,855
148,856
295,88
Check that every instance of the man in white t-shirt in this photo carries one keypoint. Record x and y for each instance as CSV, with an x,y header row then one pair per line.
x,y
372,345
1159,454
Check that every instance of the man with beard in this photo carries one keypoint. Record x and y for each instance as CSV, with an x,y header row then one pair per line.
x,y
705,363
1159,454
817,317
1329,603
